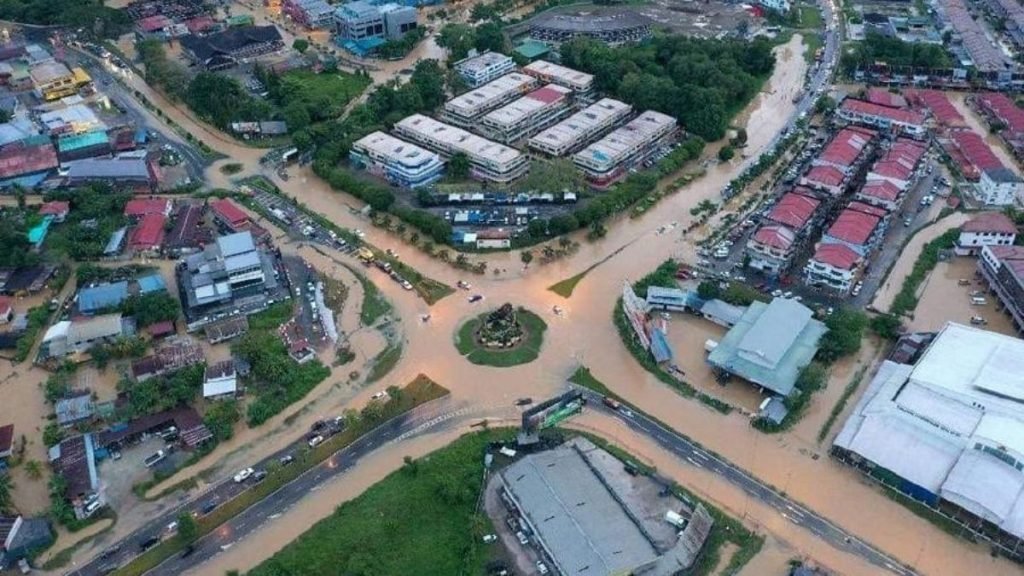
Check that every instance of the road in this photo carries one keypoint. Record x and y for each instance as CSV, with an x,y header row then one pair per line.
x,y
417,421
695,455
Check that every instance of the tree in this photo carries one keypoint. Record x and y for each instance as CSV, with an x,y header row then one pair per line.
x,y
6,485
34,469
300,45
489,37
845,330
707,290
526,256
150,308
555,176
887,326
458,39
741,138
824,104
726,153
458,166
187,528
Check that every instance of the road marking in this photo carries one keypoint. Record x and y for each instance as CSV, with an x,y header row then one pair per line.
x,y
694,462
701,455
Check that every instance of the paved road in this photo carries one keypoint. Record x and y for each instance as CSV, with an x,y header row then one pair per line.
x,y
695,455
417,421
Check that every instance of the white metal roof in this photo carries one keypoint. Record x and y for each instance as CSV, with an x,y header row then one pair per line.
x,y
622,142
560,74
518,110
394,150
452,139
486,97
983,485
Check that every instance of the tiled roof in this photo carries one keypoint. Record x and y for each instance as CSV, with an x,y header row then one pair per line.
x,y
883,97
853,226
149,233
142,206
55,208
846,146
1003,108
794,209
227,211
837,256
867,209
990,222
881,189
825,175
863,108
939,105
775,236
976,150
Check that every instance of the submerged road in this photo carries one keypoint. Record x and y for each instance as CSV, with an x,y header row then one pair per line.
x,y
697,456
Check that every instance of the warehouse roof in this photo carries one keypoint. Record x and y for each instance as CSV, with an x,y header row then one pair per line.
x,y
486,97
770,344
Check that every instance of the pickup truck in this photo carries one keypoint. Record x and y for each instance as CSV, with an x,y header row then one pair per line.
x,y
153,459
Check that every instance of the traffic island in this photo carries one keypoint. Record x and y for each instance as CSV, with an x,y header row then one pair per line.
x,y
503,337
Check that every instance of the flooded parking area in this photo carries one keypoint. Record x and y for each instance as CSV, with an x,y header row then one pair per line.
x,y
945,299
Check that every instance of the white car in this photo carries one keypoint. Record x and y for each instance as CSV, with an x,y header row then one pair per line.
x,y
313,442
380,395
488,538
243,475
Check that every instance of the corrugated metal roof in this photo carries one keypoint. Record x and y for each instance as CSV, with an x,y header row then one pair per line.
x,y
102,296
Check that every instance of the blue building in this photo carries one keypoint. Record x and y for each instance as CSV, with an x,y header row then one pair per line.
x,y
403,164
101,297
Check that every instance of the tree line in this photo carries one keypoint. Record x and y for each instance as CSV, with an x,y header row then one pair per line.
x,y
702,83
894,52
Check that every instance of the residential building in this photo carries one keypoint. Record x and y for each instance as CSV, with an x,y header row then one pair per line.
x,y
171,356
75,336
938,105
21,538
27,162
313,14
579,82
896,120
985,229
770,345
398,19
581,128
527,115
220,381
945,430
488,160
1002,112
401,163
138,207
74,409
899,163
1002,267
101,297
846,149
227,48
229,277
833,266
883,97
880,193
999,187
148,234
770,248
75,460
466,110
609,25
86,145
794,209
972,39
188,235
54,80
59,209
971,154
609,159
229,216
482,68
857,227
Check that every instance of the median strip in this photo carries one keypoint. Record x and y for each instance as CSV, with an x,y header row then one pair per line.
x,y
420,391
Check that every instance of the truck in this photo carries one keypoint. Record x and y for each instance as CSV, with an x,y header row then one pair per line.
x,y
154,459
674,519
365,254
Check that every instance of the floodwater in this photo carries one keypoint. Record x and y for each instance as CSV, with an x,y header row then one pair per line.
x,y
905,264
943,299
978,125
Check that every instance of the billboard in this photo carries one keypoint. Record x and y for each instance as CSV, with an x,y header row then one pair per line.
x,y
636,313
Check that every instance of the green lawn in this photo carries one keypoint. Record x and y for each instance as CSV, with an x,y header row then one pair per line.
x,y
385,362
419,520
812,41
810,17
566,287
526,351
332,90
375,304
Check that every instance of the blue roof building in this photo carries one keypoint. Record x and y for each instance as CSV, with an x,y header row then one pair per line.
x,y
101,297
152,283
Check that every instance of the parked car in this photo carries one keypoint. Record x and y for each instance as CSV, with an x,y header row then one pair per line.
x,y
243,475
149,543
286,459
259,476
524,401
489,538
475,298
315,441
611,402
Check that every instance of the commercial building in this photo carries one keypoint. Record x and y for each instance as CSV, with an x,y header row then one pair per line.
x,y
312,14
22,538
482,68
148,234
589,518
229,216
581,128
833,266
999,187
366,25
1002,267
69,337
898,121
228,47
74,119
231,276
527,115
27,162
946,431
985,229
488,160
220,380
465,110
612,26
85,145
127,167
398,19
579,82
608,159
53,80
770,345
401,163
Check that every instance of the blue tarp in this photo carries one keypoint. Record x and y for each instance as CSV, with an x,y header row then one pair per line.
x,y
659,347
154,283
101,297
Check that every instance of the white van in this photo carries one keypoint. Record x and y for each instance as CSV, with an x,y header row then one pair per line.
x,y
978,300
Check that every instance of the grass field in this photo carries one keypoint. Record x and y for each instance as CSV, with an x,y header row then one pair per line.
x,y
333,90
566,287
526,351
810,17
421,390
375,304
385,362
419,520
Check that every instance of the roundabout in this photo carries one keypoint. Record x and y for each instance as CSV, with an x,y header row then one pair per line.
x,y
503,337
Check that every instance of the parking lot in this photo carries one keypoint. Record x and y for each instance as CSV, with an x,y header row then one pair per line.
x,y
945,297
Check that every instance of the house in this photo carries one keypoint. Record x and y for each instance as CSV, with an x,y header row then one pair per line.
x,y
173,355
27,162
883,97
75,460
228,47
71,337
770,248
220,380
22,537
92,299
57,208
136,208
148,234
6,441
985,229
230,216
855,227
880,193
161,329
896,120
833,266
6,309
75,409
188,235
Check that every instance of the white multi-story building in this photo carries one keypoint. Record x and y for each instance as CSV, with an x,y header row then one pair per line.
x,y
466,110
482,68
579,82
985,229
606,160
488,160
581,128
833,266
525,116
403,164
770,248
780,6
999,187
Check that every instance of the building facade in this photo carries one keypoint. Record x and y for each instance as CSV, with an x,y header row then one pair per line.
x,y
999,187
527,115
488,160
403,164
833,266
482,68
466,109
581,128
1002,267
579,82
985,229
606,161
